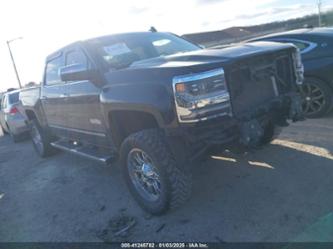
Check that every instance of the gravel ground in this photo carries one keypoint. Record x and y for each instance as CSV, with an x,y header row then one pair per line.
x,y
280,193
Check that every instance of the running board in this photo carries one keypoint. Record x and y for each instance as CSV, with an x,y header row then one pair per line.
x,y
94,153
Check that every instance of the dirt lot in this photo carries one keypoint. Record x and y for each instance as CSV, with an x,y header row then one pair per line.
x,y
280,193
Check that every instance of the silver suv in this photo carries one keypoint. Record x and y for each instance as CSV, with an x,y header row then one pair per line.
x,y
11,120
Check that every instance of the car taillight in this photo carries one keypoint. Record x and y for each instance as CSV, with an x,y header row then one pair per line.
x,y
13,110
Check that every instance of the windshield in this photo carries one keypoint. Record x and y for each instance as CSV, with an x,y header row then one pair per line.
x,y
120,51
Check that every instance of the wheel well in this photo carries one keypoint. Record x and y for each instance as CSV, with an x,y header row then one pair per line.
x,y
124,123
30,114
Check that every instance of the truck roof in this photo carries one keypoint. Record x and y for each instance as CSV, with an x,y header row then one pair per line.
x,y
121,35
58,51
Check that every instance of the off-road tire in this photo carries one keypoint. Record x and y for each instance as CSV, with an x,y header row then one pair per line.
x,y
45,149
176,180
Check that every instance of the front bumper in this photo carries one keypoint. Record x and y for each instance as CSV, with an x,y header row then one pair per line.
x,y
247,129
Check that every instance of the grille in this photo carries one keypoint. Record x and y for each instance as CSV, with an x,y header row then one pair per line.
x,y
255,81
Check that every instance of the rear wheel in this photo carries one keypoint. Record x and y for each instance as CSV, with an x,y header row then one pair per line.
x,y
152,174
316,98
40,139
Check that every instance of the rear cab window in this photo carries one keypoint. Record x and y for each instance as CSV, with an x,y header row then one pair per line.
x,y
13,98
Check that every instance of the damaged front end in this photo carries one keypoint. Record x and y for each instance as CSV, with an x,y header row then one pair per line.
x,y
256,130
264,93
259,96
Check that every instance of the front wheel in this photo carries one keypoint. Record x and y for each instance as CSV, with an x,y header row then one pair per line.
x,y
40,139
152,174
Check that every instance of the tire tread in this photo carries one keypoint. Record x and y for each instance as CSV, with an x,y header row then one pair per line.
x,y
180,180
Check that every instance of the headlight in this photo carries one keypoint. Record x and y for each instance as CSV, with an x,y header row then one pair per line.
x,y
201,96
298,65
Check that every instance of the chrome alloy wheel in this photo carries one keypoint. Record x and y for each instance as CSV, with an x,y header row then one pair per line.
x,y
144,175
313,98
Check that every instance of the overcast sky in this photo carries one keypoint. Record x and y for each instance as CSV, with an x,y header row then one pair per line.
x,y
47,25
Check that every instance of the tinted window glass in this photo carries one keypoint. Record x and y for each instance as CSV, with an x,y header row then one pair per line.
x,y
76,57
52,71
121,51
13,98
165,46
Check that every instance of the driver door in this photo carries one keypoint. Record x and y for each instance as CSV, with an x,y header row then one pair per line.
x,y
54,96
83,110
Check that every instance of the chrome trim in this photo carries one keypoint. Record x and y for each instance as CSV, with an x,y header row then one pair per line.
x,y
298,67
203,100
216,98
80,153
275,88
197,76
79,131
144,174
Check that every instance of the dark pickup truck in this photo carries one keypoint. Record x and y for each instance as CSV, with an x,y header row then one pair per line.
x,y
158,103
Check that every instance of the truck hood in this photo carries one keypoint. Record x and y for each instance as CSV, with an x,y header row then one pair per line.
x,y
204,56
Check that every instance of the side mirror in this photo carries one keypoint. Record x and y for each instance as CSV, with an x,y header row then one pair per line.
x,y
78,72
